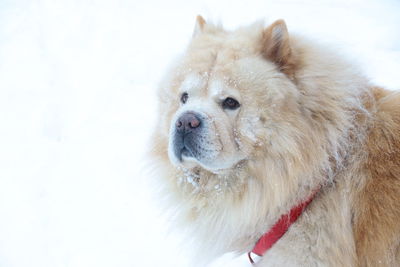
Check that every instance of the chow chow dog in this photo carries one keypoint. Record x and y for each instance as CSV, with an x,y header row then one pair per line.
x,y
267,142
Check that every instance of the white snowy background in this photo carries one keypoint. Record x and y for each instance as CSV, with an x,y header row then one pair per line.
x,y
77,104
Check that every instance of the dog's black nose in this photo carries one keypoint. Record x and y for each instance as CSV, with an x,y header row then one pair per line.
x,y
187,122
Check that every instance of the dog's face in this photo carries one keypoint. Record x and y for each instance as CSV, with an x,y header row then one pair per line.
x,y
202,130
224,96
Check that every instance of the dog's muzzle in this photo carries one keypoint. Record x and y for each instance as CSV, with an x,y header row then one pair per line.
x,y
187,135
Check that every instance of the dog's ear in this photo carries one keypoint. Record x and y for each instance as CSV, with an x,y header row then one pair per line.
x,y
199,26
276,46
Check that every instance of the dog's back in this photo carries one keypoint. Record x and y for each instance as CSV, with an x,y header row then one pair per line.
x,y
377,203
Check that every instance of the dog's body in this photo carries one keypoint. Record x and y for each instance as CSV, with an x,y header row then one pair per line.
x,y
254,121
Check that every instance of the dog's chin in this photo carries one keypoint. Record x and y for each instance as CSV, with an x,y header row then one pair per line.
x,y
217,165
189,162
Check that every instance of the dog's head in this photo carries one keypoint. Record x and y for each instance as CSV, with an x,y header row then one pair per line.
x,y
226,93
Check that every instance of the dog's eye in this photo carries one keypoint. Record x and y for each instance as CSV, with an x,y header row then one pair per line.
x,y
184,98
230,103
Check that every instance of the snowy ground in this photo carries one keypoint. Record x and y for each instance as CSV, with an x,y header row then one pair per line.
x,y
77,81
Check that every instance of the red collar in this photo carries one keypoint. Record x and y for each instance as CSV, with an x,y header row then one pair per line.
x,y
279,229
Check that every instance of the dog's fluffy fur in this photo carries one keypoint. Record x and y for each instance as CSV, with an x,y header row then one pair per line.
x,y
307,120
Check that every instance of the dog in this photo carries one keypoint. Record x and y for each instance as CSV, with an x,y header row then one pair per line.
x,y
269,143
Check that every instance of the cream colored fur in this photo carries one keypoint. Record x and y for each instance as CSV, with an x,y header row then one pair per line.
x,y
296,130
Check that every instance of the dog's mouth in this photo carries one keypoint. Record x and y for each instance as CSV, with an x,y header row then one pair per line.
x,y
186,153
182,148
189,153
187,157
